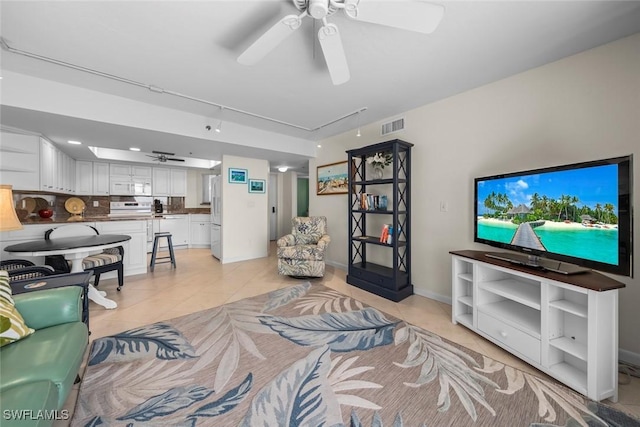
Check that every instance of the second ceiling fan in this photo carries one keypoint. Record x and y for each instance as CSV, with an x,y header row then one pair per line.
x,y
163,156
412,15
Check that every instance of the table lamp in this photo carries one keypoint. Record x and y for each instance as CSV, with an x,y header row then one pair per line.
x,y
8,218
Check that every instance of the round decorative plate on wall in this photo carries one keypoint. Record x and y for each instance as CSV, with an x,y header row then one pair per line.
x,y
74,205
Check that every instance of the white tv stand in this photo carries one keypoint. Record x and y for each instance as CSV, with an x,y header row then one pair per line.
x,y
566,326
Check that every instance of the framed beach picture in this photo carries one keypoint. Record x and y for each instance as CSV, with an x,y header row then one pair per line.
x,y
332,179
257,185
237,176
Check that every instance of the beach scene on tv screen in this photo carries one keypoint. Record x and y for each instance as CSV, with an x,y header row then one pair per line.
x,y
571,212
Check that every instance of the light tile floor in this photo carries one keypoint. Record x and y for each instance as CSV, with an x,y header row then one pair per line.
x,y
200,282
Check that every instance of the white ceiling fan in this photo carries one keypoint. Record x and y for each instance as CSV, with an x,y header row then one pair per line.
x,y
412,15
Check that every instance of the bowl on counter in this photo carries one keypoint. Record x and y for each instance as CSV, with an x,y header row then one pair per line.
x,y
45,213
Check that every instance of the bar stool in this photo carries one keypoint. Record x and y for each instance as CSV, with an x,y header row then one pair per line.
x,y
154,257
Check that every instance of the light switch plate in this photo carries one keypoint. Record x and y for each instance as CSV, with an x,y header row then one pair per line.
x,y
96,204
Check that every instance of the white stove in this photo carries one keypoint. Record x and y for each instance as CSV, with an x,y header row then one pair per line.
x,y
130,209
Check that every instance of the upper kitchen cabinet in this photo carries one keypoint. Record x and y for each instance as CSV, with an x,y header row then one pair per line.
x,y
169,182
92,178
100,179
57,170
84,178
134,171
20,161
126,180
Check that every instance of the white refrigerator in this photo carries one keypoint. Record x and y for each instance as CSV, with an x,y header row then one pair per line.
x,y
216,215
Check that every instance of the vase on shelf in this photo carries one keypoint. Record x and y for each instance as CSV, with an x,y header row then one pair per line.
x,y
378,171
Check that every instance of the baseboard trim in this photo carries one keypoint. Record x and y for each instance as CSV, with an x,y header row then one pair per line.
x,y
431,295
629,357
336,265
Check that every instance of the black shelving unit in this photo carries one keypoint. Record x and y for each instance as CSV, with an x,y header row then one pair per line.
x,y
390,278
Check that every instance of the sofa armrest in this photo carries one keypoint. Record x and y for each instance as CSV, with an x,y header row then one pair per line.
x,y
324,242
50,307
286,240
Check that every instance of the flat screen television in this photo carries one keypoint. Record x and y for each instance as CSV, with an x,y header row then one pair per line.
x,y
569,218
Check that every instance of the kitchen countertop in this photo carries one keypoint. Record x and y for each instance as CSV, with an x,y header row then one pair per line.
x,y
64,219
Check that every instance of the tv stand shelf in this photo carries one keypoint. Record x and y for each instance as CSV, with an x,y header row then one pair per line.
x,y
564,325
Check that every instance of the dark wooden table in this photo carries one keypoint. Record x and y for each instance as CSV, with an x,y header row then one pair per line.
x,y
74,249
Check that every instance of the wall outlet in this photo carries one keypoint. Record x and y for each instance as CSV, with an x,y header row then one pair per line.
x,y
96,204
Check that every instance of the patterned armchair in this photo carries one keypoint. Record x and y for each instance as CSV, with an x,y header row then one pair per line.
x,y
301,253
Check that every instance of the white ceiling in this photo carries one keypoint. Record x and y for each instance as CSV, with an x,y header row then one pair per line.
x,y
190,47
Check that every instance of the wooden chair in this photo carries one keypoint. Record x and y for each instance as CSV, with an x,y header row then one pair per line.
x,y
109,260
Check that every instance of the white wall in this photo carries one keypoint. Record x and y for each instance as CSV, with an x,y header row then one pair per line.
x,y
245,216
194,188
24,91
584,107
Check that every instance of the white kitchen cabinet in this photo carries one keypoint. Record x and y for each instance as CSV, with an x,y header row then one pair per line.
x,y
20,161
161,178
135,250
141,172
84,178
564,325
177,225
117,169
100,179
56,169
48,166
67,174
169,182
178,183
199,231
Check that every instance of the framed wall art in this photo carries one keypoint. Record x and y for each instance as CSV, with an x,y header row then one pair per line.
x,y
257,185
332,179
237,176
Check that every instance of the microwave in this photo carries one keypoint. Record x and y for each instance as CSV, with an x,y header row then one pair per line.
x,y
130,187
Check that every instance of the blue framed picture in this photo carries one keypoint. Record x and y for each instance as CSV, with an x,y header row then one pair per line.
x,y
257,185
237,176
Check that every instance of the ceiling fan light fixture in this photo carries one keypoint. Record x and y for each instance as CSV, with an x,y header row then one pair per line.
x,y
318,8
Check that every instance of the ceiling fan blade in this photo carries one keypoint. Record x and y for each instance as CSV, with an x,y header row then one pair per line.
x,y
163,152
412,15
269,40
176,160
333,51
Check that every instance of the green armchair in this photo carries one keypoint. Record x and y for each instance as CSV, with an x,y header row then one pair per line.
x,y
301,253
37,373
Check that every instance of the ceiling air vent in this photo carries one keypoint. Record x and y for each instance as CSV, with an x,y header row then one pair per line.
x,y
394,126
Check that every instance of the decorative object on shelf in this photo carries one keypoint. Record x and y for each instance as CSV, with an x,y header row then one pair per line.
x,y
75,206
373,202
27,203
257,185
237,176
41,203
378,161
45,213
8,218
332,179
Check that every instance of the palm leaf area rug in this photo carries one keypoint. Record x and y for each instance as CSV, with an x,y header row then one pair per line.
x,y
307,355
